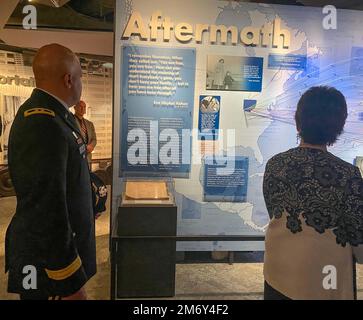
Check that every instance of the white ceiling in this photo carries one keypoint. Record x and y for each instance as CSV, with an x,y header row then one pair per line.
x,y
78,41
6,9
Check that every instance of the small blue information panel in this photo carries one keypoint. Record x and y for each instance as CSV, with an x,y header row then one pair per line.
x,y
252,74
226,179
249,105
287,61
209,110
234,73
157,107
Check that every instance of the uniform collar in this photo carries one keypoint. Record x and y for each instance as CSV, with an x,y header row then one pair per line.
x,y
55,97
60,107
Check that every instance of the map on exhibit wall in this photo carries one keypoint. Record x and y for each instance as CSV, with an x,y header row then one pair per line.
x,y
264,121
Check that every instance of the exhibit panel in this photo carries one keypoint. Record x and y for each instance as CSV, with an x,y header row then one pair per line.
x,y
166,82
239,69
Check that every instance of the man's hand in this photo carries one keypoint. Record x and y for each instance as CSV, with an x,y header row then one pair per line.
x,y
90,148
79,295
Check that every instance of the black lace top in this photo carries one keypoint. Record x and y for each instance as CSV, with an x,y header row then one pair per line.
x,y
318,187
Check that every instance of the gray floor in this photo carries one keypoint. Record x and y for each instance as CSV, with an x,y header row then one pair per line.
x,y
240,281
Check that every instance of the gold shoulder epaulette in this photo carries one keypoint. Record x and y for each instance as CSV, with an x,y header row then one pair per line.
x,y
34,111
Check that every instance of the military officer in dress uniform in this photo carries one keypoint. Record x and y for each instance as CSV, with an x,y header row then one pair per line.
x,y
50,242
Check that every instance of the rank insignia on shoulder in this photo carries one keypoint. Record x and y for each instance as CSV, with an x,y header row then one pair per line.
x,y
34,111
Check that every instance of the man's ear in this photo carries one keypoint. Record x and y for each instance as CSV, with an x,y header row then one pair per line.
x,y
67,80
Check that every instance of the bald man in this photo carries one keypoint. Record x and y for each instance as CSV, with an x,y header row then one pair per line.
x,y
50,242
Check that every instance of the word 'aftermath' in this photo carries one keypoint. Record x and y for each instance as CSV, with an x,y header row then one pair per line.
x,y
267,35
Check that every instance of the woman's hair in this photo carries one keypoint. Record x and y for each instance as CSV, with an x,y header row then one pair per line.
x,y
320,115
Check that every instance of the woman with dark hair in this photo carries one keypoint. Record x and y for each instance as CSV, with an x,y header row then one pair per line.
x,y
315,203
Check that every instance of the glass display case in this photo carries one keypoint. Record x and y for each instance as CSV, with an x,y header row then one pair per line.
x,y
144,230
150,191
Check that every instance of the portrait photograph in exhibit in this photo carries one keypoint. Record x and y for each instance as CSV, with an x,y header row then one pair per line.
x,y
209,104
209,114
233,73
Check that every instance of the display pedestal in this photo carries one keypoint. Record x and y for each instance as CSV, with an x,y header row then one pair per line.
x,y
142,262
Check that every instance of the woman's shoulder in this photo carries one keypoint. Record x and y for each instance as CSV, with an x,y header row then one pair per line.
x,y
314,158
285,155
343,165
